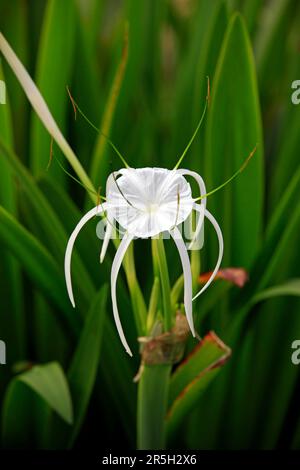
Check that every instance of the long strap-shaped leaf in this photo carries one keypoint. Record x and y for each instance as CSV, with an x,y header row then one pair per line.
x,y
192,377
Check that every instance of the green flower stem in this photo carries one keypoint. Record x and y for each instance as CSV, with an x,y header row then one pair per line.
x,y
152,311
154,383
160,265
195,260
152,406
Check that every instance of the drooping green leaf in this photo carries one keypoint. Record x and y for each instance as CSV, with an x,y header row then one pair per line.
x,y
49,383
82,371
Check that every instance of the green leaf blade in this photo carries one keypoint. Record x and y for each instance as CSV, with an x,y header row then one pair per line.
x,y
192,377
235,118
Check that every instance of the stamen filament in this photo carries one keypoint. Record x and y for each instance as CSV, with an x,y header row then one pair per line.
x,y
50,154
79,182
240,170
75,105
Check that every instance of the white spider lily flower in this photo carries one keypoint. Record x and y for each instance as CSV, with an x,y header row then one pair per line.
x,y
147,202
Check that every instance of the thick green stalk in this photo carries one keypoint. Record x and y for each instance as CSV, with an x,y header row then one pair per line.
x,y
195,268
152,405
136,296
154,382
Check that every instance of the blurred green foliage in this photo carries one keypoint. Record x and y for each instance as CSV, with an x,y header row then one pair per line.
x,y
70,362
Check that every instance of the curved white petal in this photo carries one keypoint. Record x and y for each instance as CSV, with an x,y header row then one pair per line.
x,y
109,227
199,180
111,180
199,227
114,274
187,274
202,188
89,215
221,248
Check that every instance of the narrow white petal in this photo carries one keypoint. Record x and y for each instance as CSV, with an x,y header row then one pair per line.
x,y
221,248
198,179
200,225
89,215
107,237
110,182
187,274
114,275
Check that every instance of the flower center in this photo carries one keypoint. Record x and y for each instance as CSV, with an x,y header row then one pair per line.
x,y
153,207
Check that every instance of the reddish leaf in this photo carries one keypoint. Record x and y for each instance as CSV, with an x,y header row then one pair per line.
x,y
237,276
193,376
